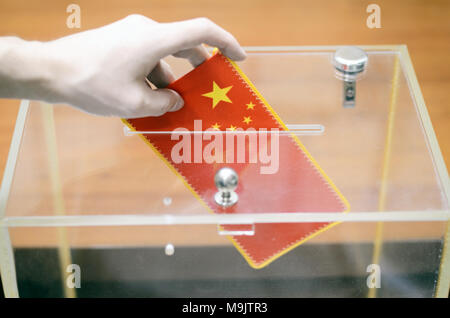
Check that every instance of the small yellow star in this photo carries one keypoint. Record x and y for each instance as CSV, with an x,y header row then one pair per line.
x,y
247,120
216,126
250,105
218,94
232,128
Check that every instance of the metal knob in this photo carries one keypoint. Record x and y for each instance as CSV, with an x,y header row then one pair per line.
x,y
226,180
349,62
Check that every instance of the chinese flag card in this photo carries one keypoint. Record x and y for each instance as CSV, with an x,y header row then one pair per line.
x,y
276,172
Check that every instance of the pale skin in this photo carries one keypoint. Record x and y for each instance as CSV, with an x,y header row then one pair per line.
x,y
106,71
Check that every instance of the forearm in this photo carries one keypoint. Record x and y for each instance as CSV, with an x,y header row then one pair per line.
x,y
26,71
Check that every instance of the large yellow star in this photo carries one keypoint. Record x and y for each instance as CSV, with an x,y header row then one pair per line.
x,y
218,94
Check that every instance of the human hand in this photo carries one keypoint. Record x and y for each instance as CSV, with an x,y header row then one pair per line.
x,y
103,71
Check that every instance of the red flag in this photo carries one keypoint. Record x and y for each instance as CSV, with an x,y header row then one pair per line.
x,y
218,96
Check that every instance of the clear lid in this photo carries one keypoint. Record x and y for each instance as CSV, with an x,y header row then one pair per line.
x,y
68,167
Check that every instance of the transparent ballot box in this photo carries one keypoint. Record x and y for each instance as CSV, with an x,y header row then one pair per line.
x,y
88,209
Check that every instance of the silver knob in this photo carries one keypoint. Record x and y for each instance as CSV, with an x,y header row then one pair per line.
x,y
350,59
226,180
349,62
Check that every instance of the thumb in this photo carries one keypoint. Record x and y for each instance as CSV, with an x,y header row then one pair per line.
x,y
159,101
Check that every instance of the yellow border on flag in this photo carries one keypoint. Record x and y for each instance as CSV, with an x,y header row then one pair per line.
x,y
313,161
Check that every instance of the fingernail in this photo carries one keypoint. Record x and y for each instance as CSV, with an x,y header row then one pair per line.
x,y
239,54
178,104
244,55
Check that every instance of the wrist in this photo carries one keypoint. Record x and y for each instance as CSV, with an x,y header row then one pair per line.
x,y
27,71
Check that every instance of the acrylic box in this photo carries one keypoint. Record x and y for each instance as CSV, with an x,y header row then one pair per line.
x,y
73,192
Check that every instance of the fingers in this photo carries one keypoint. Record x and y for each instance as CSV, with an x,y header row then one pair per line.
x,y
155,102
161,76
165,100
181,39
196,55
189,34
